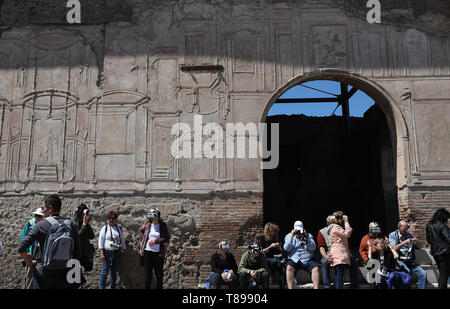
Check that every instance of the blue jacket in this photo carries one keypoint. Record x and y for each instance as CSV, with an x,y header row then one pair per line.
x,y
298,252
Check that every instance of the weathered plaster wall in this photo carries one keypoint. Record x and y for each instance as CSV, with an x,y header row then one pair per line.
x,y
87,110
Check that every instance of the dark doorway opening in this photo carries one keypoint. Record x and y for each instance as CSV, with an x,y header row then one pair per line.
x,y
329,163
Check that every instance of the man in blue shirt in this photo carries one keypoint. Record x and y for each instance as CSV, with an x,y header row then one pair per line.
x,y
300,247
404,243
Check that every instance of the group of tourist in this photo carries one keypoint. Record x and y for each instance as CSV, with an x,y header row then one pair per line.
x,y
267,256
48,241
41,250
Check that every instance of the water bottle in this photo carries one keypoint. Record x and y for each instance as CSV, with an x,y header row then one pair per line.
x,y
252,282
228,274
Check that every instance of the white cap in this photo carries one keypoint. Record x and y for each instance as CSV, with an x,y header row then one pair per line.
x,y
298,225
38,212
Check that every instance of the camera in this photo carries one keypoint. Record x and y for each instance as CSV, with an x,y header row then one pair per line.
x,y
88,212
116,243
302,238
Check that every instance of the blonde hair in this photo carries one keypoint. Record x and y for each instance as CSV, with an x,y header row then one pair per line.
x,y
382,241
270,227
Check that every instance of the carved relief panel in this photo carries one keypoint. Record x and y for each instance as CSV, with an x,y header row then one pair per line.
x,y
330,45
117,120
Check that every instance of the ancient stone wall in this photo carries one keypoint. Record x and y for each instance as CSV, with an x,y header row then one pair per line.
x,y
86,110
196,224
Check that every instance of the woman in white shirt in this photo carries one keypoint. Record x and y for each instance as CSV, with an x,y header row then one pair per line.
x,y
154,239
111,243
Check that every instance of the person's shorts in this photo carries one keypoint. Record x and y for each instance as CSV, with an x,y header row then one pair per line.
x,y
308,266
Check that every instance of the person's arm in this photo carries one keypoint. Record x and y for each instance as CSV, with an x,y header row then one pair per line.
x,y
445,233
164,235
322,245
101,242
25,243
288,245
122,238
243,263
77,244
394,253
214,265
311,246
264,264
234,266
142,231
343,233
364,249
395,245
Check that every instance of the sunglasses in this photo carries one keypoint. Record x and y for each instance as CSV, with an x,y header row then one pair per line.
x,y
112,218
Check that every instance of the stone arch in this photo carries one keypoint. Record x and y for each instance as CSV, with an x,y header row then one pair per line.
x,y
395,119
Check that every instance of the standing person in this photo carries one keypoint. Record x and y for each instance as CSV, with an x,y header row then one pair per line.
x,y
273,250
253,268
49,269
300,247
339,232
366,247
111,244
154,236
438,236
404,243
324,244
224,268
83,217
34,248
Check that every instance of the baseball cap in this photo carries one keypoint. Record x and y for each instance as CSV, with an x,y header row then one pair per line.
x,y
374,228
298,225
38,212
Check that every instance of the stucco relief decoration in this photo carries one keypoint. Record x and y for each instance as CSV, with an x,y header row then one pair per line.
x,y
330,45
205,99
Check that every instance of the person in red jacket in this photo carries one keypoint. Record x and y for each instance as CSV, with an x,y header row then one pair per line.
x,y
367,241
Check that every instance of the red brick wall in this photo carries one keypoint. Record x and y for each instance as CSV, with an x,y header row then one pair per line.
x,y
235,219
417,206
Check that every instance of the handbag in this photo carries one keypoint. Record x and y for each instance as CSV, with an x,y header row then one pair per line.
x,y
398,280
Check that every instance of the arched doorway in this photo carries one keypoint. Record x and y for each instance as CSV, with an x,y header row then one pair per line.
x,y
337,162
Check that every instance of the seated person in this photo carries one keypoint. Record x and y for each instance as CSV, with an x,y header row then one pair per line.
x,y
390,272
300,248
224,268
253,268
366,247
272,248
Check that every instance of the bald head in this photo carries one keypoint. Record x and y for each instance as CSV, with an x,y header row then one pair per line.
x,y
403,227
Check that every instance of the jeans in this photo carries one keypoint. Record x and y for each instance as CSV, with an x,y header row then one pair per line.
x,y
339,276
417,270
325,273
276,266
111,263
262,278
443,264
354,274
217,281
152,262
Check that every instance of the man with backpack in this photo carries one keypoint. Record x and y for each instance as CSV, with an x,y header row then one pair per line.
x,y
59,243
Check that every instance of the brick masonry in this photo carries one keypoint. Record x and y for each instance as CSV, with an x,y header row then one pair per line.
x,y
417,206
